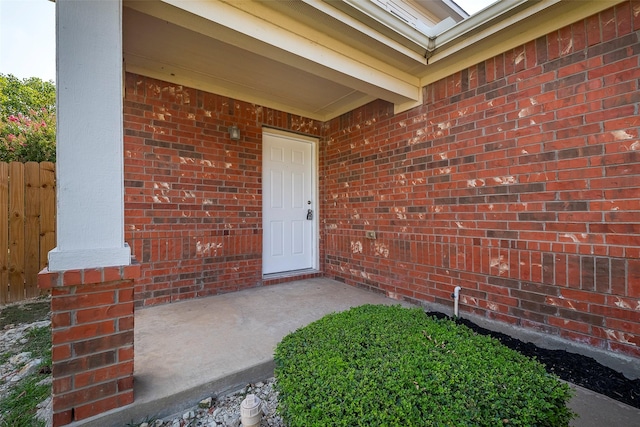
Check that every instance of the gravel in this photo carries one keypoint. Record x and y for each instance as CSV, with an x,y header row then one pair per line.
x,y
225,412
21,364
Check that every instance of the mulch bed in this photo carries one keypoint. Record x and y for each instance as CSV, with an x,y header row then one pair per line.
x,y
574,368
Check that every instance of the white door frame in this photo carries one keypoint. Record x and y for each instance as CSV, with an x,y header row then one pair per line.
x,y
315,244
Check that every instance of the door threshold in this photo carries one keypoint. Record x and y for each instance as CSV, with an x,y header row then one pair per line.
x,y
285,276
292,273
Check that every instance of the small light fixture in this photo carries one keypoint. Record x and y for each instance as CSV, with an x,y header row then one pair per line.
x,y
234,133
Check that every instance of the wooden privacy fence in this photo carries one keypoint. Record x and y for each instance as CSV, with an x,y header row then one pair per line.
x,y
27,226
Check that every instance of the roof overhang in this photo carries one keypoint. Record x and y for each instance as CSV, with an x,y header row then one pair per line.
x,y
320,59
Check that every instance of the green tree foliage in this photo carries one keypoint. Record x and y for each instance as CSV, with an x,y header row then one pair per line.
x,y
27,119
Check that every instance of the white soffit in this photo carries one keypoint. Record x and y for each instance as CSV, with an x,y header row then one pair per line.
x,y
322,58
259,55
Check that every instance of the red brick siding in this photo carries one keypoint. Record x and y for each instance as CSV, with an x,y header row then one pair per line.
x,y
92,333
193,197
519,180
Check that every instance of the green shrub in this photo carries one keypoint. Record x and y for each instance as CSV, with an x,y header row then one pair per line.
x,y
392,366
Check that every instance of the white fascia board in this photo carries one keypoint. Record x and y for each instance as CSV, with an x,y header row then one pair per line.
x,y
485,18
381,80
382,16
365,29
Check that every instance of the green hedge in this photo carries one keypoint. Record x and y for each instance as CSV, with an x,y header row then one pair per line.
x,y
392,366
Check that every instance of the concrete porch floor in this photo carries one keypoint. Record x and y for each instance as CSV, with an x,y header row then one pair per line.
x,y
189,350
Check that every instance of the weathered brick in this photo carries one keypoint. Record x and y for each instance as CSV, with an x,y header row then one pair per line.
x,y
81,332
62,385
602,274
634,278
107,373
104,312
587,273
97,345
86,300
567,206
61,418
60,352
125,384
78,397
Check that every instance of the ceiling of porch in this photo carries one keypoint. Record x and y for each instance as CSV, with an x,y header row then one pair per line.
x,y
322,58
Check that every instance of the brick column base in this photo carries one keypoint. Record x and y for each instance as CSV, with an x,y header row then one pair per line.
x,y
92,333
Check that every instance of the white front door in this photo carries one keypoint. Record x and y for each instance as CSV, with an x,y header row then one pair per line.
x,y
288,191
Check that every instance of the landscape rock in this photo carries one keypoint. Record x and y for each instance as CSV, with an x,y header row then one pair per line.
x,y
20,358
225,410
205,403
12,339
29,368
44,411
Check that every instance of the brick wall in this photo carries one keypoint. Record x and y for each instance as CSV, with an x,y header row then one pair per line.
x,y
518,179
193,198
92,324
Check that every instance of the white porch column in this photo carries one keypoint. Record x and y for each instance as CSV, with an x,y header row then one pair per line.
x,y
90,187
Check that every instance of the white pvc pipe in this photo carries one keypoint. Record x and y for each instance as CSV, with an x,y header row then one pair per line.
x,y
456,299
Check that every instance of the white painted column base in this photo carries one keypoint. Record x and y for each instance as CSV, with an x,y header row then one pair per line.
x,y
81,259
